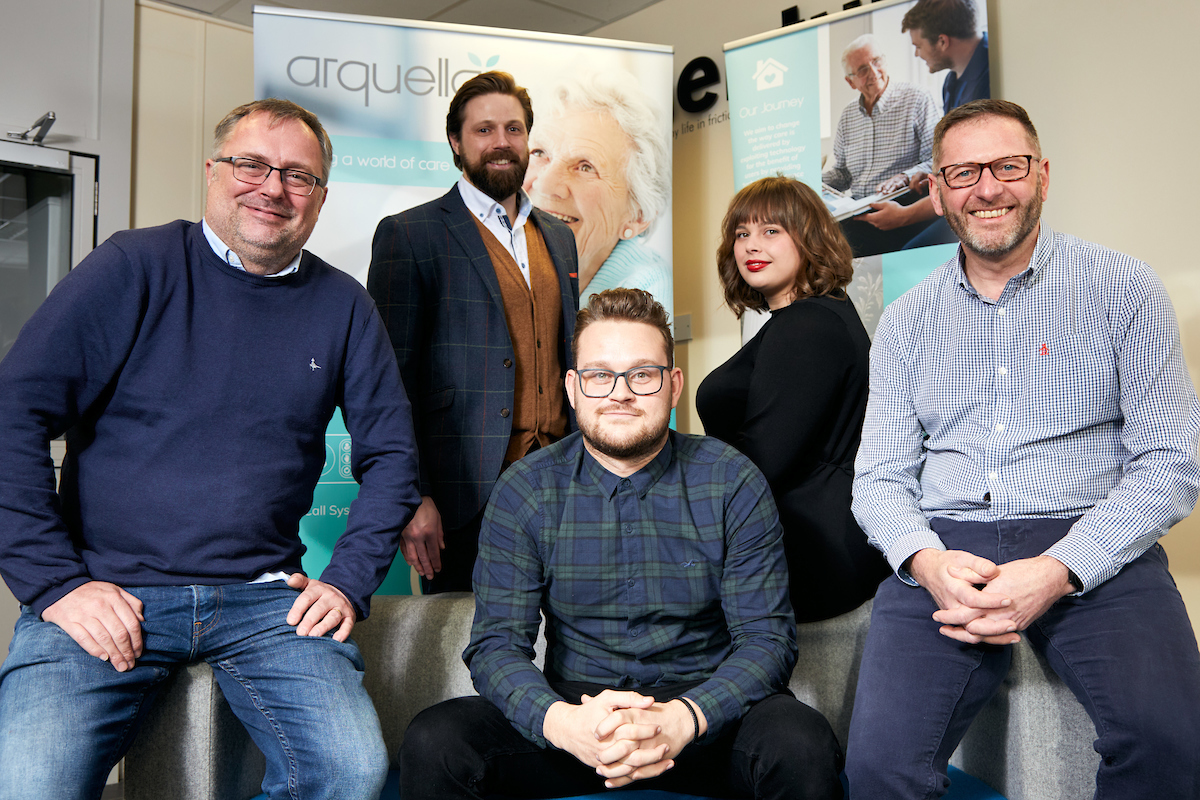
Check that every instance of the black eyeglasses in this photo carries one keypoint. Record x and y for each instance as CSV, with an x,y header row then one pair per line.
x,y
642,380
295,181
1007,169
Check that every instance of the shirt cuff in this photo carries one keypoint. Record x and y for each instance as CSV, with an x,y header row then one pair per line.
x,y
537,721
908,544
1085,558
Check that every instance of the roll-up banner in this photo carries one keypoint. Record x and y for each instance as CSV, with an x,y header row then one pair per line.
x,y
848,103
600,157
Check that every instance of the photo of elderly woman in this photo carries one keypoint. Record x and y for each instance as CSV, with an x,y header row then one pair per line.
x,y
599,160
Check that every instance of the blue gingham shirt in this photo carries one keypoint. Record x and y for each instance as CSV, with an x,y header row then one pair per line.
x,y
896,137
675,574
1066,396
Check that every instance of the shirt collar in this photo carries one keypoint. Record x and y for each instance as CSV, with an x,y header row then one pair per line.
x,y
484,207
1037,262
231,258
882,102
643,480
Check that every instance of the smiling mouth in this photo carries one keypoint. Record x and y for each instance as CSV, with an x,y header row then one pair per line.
x,y
990,213
560,216
756,266
269,211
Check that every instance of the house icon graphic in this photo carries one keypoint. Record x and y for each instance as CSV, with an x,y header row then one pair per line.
x,y
769,74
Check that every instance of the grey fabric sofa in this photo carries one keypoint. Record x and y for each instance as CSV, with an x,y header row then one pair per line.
x,y
1032,742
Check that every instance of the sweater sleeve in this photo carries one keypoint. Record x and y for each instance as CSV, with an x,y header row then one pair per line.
x,y
59,371
383,460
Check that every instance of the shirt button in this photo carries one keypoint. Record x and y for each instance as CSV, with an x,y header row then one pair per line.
x,y
992,476
1000,312
632,581
508,362
1002,371
504,412
999,427
635,632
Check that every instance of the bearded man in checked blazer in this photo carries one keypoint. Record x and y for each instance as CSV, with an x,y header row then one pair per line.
x,y
478,291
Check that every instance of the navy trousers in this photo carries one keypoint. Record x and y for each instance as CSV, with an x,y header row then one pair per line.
x,y
1126,649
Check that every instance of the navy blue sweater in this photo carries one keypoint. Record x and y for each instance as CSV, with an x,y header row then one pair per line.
x,y
195,398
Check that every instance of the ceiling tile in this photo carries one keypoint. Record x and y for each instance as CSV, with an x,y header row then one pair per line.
x,y
519,14
607,10
550,16
395,9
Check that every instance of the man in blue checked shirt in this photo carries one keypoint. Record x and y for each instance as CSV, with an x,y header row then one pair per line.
x,y
657,561
1031,433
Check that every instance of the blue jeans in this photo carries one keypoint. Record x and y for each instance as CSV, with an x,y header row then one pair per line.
x,y
67,717
1125,649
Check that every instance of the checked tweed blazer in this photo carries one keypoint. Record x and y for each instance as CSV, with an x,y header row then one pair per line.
x,y
437,291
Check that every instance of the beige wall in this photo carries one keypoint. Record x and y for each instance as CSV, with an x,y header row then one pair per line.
x,y
1104,82
190,70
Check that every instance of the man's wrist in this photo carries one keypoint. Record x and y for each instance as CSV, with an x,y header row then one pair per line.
x,y
550,722
695,719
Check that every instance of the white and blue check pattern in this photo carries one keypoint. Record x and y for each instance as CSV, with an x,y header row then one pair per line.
x,y
1067,396
897,136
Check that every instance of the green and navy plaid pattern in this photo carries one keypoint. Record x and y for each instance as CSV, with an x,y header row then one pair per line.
x,y
671,575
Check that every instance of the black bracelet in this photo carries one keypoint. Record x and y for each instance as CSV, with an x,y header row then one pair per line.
x,y
695,719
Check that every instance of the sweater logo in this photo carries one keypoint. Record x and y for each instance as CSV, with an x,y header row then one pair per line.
x,y
313,366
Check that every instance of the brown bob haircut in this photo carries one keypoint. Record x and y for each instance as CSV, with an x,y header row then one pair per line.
x,y
278,110
826,261
624,305
494,82
979,109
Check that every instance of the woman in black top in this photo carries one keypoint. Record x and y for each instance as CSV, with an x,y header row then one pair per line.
x,y
794,397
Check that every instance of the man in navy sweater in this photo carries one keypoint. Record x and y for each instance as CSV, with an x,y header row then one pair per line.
x,y
193,368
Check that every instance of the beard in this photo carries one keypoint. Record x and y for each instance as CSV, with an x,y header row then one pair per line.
x,y
1025,221
629,447
497,185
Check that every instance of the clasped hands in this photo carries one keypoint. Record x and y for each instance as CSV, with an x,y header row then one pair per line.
x,y
625,736
980,602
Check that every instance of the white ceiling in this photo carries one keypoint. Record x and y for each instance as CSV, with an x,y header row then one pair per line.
x,y
550,16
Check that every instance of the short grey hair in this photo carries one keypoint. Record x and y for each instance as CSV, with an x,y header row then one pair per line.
x,y
648,169
866,40
278,110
